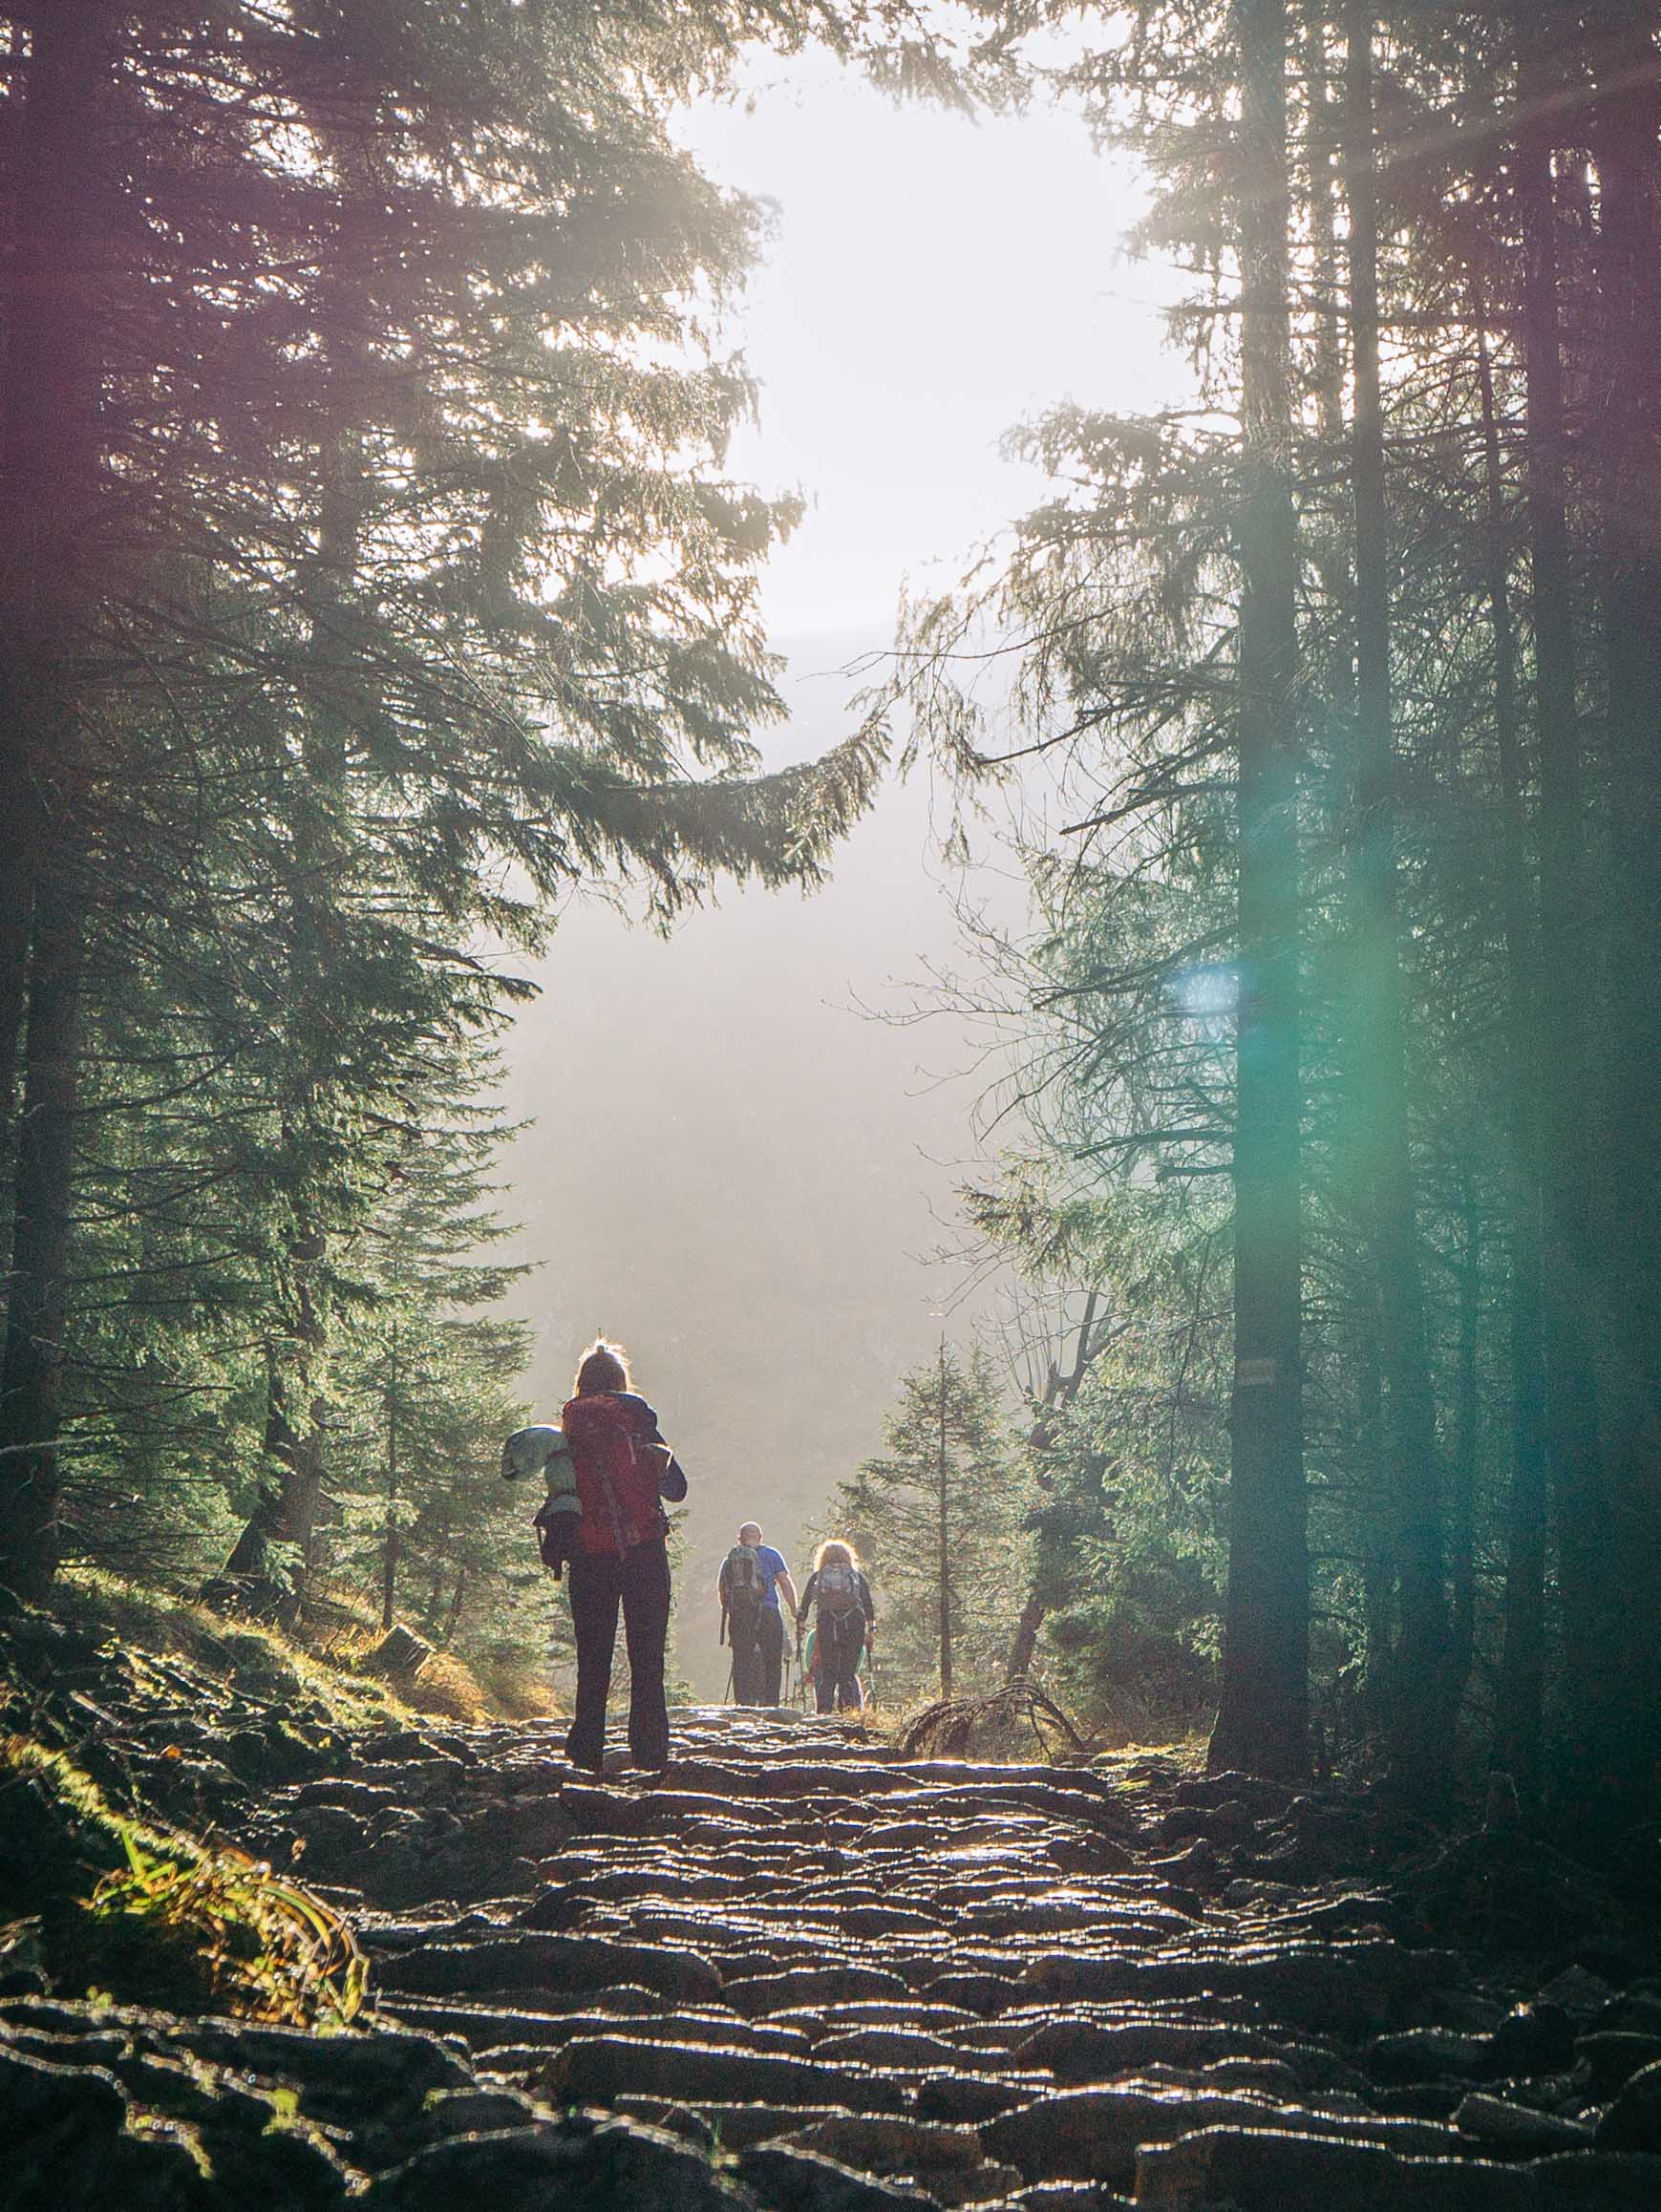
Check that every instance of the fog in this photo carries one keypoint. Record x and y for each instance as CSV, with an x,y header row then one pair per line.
x,y
746,1179
731,1168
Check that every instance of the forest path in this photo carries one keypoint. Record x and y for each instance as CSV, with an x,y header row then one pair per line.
x,y
799,1973
858,1978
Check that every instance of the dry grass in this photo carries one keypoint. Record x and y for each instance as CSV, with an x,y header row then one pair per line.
x,y
515,1691
145,1914
445,1685
325,1662
259,1659
241,1939
447,1688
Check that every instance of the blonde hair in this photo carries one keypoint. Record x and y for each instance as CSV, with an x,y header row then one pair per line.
x,y
602,1367
835,1552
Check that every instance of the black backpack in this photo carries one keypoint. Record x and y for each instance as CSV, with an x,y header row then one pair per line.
x,y
743,1580
556,1535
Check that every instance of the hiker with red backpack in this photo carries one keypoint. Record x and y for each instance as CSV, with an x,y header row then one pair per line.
x,y
845,1622
624,1470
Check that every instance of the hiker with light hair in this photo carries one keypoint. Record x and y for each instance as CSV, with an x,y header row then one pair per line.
x,y
753,1577
618,1554
845,1622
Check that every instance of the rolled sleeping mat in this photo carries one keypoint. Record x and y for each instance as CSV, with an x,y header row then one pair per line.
x,y
542,1449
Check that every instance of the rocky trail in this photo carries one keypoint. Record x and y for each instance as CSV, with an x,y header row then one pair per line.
x,y
801,1974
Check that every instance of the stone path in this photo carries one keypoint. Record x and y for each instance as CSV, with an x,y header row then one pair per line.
x,y
799,1975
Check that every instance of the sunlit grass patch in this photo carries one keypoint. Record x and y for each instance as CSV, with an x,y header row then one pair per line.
x,y
330,1669
261,1662
253,1944
145,1915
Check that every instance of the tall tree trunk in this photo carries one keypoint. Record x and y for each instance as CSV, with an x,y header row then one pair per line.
x,y
1419,1689
1628,1237
1467,1458
1325,150
456,1596
48,429
49,443
390,1543
1579,1498
1024,1643
1519,1722
943,1539
1263,1716
16,863
297,1417
1379,1587
319,803
31,1380
268,1561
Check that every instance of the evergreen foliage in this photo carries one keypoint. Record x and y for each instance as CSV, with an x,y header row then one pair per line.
x,y
936,1520
1467,207
375,579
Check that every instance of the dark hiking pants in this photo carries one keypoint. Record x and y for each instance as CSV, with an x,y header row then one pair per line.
x,y
757,1656
836,1662
599,1583
768,1655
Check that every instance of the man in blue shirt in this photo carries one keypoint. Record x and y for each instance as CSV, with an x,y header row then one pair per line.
x,y
753,1576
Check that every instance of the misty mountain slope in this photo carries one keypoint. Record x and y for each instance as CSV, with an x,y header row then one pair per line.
x,y
743,1177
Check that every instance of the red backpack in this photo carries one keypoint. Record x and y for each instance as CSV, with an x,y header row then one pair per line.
x,y
618,1472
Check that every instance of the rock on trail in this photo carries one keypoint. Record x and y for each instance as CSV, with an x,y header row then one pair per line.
x,y
799,1974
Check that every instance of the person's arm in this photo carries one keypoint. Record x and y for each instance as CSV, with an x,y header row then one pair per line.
x,y
868,1606
806,1601
788,1588
673,1482
642,1414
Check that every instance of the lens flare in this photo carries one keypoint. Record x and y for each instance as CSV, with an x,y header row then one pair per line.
x,y
1207,994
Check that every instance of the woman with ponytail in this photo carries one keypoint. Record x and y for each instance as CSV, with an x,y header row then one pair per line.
x,y
624,1470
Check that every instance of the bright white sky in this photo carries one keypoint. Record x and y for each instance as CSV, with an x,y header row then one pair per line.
x,y
932,281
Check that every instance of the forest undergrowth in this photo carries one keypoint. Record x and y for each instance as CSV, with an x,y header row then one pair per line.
x,y
325,1660
120,1711
135,1726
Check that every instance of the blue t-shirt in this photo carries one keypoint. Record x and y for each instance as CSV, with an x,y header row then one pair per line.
x,y
773,1566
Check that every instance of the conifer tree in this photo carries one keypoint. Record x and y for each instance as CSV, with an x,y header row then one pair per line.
x,y
936,1519
428,1379
1625,144
1465,527
1262,1709
372,551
